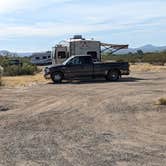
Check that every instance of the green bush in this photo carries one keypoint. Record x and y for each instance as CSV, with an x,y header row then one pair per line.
x,y
26,69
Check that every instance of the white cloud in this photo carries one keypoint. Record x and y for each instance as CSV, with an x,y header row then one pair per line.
x,y
48,30
118,12
9,6
43,29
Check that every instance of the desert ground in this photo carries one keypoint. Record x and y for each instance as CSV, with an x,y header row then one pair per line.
x,y
85,123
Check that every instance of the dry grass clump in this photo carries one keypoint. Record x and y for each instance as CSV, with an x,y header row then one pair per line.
x,y
18,81
161,101
143,67
0,82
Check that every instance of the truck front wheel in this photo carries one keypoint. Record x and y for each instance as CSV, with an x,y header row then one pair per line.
x,y
57,77
113,75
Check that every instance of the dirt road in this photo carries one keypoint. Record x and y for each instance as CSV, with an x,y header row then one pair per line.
x,y
93,123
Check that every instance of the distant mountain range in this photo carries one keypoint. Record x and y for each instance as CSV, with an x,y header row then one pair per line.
x,y
145,49
23,54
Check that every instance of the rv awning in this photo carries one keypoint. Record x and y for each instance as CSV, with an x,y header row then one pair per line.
x,y
113,47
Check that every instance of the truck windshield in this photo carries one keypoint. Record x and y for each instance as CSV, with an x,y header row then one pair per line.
x,y
67,60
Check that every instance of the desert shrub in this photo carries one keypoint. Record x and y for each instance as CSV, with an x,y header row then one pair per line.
x,y
28,69
15,66
16,70
162,101
11,70
152,58
120,60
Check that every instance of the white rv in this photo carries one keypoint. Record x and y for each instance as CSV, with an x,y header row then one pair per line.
x,y
76,46
41,58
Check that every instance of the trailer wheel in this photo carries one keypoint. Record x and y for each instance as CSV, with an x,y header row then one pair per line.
x,y
57,77
113,75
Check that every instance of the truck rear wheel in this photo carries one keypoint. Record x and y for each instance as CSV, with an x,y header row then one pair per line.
x,y
57,77
113,75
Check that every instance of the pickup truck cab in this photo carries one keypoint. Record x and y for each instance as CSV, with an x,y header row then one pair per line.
x,y
82,66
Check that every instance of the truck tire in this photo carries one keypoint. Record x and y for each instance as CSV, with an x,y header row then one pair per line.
x,y
113,75
57,77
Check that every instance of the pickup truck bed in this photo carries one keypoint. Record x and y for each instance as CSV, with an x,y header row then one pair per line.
x,y
123,67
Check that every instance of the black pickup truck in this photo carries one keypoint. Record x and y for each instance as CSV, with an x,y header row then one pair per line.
x,y
77,67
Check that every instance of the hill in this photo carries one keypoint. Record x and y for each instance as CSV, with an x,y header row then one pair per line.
x,y
146,48
21,54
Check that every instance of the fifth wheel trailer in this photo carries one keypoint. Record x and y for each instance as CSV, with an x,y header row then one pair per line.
x,y
81,46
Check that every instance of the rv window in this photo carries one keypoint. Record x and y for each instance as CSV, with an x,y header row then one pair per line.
x,y
49,56
61,54
37,58
44,57
93,54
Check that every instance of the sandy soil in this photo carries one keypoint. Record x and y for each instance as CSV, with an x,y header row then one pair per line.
x,y
23,81
145,67
94,123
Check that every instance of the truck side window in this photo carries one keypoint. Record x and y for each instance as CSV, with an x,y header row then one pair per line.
x,y
85,60
75,61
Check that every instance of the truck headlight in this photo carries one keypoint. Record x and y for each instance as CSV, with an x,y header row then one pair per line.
x,y
47,70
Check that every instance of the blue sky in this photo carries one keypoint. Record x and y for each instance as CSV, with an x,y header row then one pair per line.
x,y
37,25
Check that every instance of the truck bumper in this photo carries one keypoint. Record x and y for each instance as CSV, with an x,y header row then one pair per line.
x,y
47,76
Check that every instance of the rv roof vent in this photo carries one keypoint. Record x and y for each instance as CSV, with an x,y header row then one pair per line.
x,y
77,37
